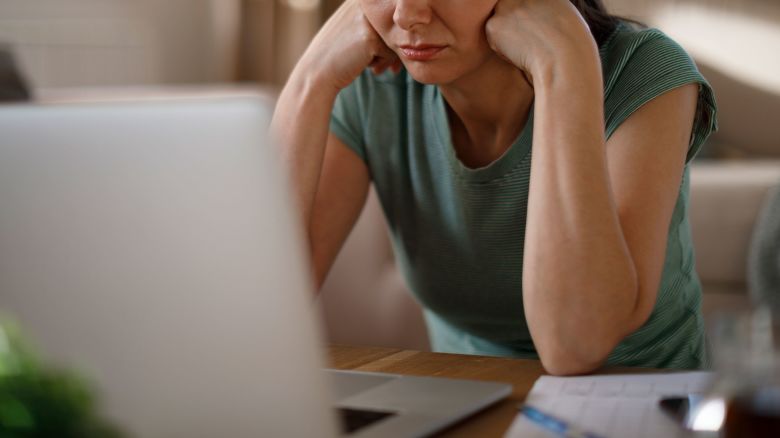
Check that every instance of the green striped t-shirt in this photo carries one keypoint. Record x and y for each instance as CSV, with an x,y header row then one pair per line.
x,y
458,232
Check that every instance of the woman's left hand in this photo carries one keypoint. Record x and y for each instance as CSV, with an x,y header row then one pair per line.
x,y
535,34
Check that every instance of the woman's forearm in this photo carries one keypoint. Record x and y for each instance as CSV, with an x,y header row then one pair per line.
x,y
579,280
300,128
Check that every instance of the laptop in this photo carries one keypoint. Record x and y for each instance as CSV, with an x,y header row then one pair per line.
x,y
151,245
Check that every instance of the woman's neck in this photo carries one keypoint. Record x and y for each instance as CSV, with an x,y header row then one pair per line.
x,y
486,110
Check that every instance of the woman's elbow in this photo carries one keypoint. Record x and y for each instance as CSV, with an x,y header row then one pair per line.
x,y
569,365
573,358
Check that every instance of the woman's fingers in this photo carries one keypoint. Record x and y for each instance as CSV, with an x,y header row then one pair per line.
x,y
377,65
384,57
378,68
383,61
381,67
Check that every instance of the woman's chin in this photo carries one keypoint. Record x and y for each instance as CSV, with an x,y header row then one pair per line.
x,y
429,74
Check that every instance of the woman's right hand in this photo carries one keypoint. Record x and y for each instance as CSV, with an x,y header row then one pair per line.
x,y
344,47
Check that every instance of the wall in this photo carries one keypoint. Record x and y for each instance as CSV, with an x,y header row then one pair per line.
x,y
274,35
67,43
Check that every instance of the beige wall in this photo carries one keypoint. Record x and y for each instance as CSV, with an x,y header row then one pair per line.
x,y
66,43
69,43
274,35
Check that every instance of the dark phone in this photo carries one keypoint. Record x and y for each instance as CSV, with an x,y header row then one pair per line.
x,y
677,407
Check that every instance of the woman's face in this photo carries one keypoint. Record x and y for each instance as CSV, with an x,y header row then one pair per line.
x,y
438,41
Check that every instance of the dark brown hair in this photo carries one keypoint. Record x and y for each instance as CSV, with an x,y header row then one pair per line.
x,y
601,22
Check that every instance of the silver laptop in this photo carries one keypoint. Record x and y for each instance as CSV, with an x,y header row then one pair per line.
x,y
151,246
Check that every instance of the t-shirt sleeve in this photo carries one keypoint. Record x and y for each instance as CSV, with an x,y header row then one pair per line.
x,y
346,120
646,66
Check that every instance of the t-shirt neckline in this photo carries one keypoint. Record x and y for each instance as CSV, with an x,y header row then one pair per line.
x,y
510,159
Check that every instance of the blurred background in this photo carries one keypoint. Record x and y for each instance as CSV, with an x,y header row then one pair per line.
x,y
87,43
77,43
65,49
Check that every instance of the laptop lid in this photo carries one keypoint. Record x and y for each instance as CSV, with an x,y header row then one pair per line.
x,y
151,246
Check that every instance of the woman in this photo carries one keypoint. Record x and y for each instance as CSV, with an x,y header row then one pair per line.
x,y
581,256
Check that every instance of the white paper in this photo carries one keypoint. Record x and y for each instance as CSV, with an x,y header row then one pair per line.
x,y
624,405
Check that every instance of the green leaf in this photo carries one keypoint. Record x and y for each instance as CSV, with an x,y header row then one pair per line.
x,y
40,401
14,415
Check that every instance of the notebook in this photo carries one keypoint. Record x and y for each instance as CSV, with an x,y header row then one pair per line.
x,y
611,405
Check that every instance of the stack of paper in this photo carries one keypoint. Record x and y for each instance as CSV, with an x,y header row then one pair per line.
x,y
611,406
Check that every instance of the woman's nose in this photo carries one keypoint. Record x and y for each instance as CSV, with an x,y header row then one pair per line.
x,y
409,13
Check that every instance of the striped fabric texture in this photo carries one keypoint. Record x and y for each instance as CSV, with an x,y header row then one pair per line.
x,y
458,232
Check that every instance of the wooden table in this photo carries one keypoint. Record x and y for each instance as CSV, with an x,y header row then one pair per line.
x,y
493,421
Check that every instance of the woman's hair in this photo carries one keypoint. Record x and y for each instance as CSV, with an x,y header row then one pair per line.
x,y
600,22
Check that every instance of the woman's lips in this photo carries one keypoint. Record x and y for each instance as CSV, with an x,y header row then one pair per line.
x,y
422,52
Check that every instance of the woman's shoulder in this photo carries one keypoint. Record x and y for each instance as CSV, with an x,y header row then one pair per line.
x,y
627,32
640,64
370,92
371,105
641,50
378,94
